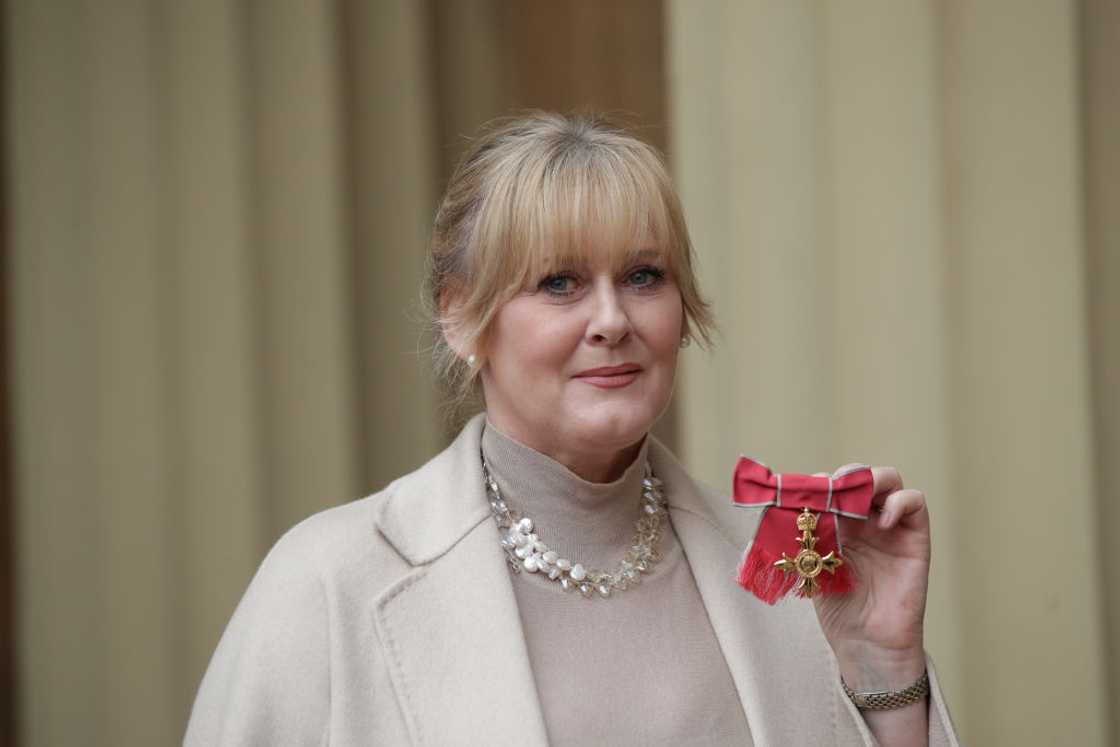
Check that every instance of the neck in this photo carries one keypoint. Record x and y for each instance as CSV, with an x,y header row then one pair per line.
x,y
599,468
602,466
580,519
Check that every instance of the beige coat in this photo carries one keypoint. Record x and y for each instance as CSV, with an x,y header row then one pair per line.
x,y
392,620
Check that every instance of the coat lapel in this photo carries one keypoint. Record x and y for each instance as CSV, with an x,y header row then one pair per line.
x,y
450,627
761,644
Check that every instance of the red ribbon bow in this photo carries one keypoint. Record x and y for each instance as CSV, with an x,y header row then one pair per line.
x,y
846,493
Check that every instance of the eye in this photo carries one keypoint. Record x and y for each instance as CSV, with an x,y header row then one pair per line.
x,y
645,277
560,284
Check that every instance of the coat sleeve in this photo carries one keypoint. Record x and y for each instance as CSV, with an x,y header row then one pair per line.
x,y
942,733
268,681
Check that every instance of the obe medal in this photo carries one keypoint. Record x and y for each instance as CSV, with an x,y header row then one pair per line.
x,y
798,547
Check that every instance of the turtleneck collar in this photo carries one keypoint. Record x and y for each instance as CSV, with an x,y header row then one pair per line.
x,y
586,521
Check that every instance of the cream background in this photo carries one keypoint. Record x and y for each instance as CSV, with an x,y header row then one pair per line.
x,y
905,213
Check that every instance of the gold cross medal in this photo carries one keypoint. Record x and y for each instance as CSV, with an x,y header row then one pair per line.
x,y
808,563
797,547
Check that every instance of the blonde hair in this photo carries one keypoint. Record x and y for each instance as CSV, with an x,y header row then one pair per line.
x,y
533,193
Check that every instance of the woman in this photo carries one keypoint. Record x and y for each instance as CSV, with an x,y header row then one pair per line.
x,y
555,576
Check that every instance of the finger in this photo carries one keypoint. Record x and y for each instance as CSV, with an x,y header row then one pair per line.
x,y
907,506
885,480
838,470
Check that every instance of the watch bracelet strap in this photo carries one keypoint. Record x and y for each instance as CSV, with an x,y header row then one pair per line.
x,y
885,700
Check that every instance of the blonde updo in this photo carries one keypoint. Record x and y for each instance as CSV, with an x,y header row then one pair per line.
x,y
532,194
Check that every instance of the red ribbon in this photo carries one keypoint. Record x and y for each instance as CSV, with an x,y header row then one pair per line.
x,y
782,497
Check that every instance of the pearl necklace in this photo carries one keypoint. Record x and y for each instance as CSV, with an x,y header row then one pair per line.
x,y
525,550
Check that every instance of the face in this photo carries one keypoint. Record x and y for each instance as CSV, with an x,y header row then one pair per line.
x,y
581,363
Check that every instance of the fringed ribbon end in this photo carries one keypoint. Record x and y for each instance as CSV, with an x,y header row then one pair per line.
x,y
758,575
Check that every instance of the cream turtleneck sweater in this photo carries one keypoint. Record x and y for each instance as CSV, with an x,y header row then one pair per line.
x,y
642,667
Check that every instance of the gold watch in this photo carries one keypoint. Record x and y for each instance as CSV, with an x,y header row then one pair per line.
x,y
885,700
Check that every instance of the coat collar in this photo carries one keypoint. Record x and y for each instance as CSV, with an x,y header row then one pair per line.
x,y
431,509
458,658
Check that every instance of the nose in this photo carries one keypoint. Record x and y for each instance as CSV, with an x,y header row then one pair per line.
x,y
609,323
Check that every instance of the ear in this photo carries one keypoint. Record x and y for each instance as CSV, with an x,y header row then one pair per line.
x,y
450,305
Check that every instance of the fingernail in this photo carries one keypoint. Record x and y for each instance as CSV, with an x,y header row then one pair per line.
x,y
885,519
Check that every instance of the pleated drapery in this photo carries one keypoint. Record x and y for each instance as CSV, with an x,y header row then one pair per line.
x,y
903,212
888,207
199,340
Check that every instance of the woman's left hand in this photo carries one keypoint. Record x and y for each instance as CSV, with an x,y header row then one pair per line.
x,y
876,629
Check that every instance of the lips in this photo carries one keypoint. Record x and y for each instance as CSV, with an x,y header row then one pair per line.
x,y
625,368
610,377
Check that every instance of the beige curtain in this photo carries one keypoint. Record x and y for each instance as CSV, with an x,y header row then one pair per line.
x,y
1100,66
887,201
905,214
211,341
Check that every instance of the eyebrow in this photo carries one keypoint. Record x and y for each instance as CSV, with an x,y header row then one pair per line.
x,y
646,253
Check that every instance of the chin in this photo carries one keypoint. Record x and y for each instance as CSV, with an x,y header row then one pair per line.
x,y
610,426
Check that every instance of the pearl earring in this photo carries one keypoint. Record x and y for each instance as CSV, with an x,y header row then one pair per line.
x,y
471,360
686,341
